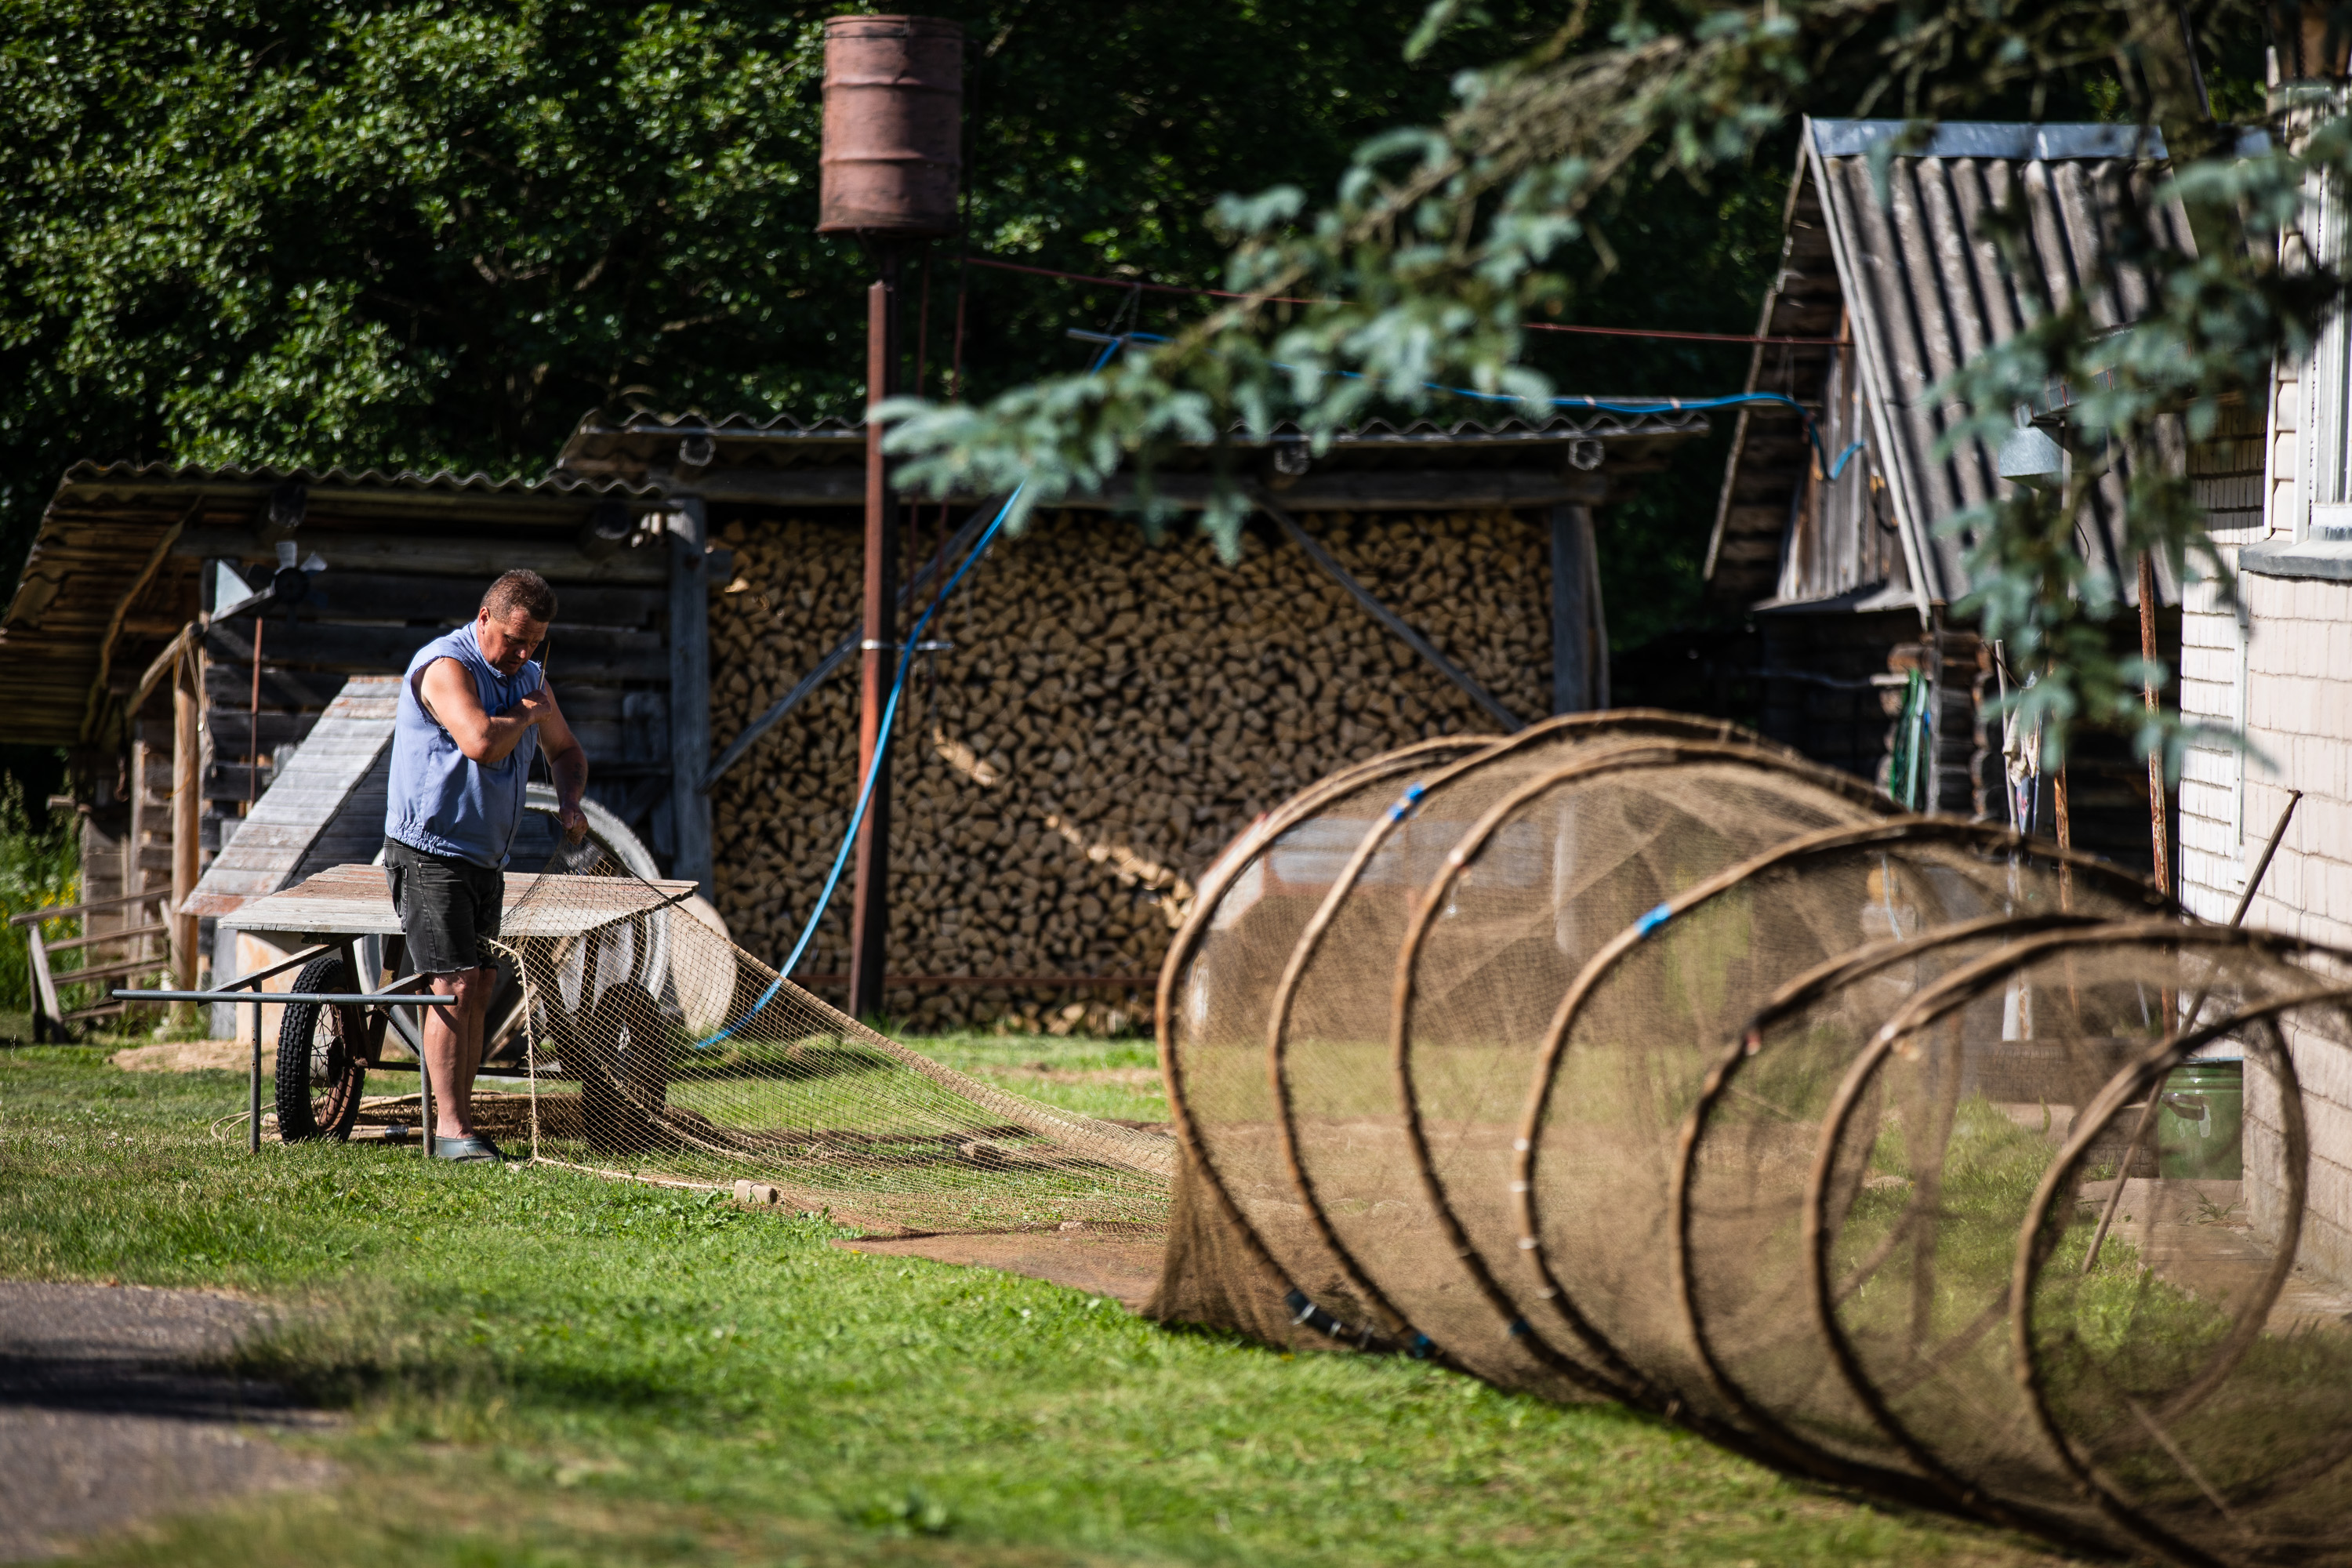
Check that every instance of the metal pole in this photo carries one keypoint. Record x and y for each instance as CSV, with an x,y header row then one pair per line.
x,y
2262,866
253,1090
869,919
689,694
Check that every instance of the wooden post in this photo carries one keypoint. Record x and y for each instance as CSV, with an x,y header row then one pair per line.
x,y
187,806
869,919
1571,622
2158,828
2064,827
689,694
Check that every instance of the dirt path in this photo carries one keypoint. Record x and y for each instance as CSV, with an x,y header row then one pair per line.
x,y
110,1413
1125,1267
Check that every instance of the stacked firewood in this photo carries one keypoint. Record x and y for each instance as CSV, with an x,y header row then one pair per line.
x,y
1086,724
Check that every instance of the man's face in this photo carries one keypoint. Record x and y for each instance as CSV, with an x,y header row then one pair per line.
x,y
507,641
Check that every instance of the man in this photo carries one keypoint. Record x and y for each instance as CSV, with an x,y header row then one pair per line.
x,y
473,710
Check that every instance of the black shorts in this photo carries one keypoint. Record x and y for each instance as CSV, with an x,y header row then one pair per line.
x,y
449,908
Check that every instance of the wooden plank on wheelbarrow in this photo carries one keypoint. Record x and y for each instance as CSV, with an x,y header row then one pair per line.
x,y
353,900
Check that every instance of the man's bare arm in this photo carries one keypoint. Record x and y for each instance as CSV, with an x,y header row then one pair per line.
x,y
567,760
448,696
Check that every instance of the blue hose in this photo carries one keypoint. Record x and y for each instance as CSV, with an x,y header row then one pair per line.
x,y
881,750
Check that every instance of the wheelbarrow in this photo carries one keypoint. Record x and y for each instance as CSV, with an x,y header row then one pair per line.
x,y
609,943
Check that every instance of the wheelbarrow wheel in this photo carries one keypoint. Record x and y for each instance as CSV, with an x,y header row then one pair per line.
x,y
320,1065
623,1063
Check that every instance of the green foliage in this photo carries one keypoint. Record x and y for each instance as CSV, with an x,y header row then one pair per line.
x,y
540,1367
39,866
391,233
1431,255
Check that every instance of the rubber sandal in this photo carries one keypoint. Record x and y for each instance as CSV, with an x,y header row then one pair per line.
x,y
461,1148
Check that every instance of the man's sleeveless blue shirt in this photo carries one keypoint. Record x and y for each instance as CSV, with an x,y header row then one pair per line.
x,y
440,800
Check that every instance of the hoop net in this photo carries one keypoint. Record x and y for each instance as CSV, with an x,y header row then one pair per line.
x,y
1630,1057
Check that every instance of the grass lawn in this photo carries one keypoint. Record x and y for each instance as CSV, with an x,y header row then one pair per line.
x,y
543,1369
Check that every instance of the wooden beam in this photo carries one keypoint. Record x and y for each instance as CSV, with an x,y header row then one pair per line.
x,y
162,665
484,558
690,695
45,1008
1370,489
1412,639
611,653
114,622
187,807
832,485
66,911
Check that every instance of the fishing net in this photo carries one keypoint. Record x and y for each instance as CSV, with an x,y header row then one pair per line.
x,y
660,1048
1627,1057
1292,941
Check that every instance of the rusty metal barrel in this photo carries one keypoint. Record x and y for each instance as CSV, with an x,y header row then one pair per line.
x,y
893,126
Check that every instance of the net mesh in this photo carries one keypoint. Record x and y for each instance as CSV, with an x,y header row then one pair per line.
x,y
1635,1057
660,1048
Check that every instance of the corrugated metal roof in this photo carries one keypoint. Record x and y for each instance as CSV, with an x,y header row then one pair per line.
x,y
229,478
641,442
1597,424
1913,269
111,575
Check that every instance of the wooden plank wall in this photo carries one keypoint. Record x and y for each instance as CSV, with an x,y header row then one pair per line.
x,y
607,658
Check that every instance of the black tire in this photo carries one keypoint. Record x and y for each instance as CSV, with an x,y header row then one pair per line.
x,y
320,1067
623,1060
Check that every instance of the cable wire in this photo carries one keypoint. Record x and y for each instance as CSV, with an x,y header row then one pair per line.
x,y
1604,405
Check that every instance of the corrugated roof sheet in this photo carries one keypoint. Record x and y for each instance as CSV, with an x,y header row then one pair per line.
x,y
1561,426
196,478
641,442
1922,291
107,581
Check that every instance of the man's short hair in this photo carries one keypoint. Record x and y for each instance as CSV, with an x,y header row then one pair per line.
x,y
520,589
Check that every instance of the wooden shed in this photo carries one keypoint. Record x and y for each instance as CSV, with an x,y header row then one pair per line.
x,y
1834,541
1095,715
182,630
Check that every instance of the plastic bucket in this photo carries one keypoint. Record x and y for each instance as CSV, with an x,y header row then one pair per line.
x,y
2200,1122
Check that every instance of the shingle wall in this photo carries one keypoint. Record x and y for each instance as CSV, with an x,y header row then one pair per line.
x,y
2282,666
